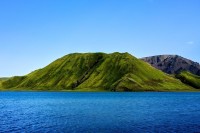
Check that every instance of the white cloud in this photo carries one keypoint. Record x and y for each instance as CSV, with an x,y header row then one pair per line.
x,y
190,42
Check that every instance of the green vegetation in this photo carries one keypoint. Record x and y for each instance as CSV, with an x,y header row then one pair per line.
x,y
190,79
2,80
97,72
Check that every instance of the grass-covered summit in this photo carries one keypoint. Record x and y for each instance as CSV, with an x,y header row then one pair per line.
x,y
97,71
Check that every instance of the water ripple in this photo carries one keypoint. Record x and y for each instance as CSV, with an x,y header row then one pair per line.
x,y
99,112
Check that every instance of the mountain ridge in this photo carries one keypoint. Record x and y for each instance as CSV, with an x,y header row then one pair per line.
x,y
173,64
97,71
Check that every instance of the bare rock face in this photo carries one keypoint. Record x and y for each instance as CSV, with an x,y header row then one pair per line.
x,y
173,64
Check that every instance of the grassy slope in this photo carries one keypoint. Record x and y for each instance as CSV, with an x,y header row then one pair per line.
x,y
97,72
190,79
2,80
1,83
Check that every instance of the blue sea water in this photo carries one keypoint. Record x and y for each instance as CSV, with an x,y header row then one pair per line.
x,y
99,112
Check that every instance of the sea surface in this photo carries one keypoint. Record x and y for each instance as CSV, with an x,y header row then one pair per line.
x,y
99,112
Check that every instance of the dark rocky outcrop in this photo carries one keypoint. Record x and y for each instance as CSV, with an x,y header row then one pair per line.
x,y
173,64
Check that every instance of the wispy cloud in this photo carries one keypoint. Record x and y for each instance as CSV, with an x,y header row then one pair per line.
x,y
190,42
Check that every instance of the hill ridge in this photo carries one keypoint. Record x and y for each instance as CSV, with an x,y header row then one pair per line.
x,y
97,71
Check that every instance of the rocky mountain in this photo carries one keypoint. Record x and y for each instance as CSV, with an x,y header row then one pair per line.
x,y
96,72
173,64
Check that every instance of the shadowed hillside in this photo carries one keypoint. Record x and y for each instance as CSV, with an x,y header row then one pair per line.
x,y
97,72
2,80
190,79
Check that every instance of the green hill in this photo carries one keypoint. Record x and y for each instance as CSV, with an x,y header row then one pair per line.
x,y
189,78
97,72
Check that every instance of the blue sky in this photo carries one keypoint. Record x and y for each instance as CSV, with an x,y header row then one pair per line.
x,y
34,33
